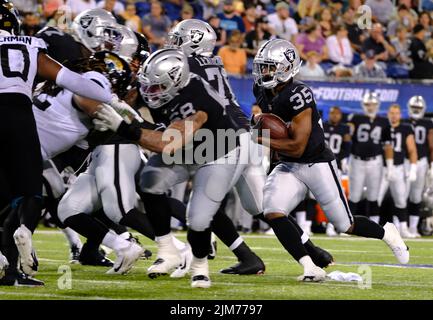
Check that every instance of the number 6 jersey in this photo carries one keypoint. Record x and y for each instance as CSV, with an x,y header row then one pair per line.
x,y
19,63
294,98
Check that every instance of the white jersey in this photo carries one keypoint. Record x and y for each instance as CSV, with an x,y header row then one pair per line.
x,y
60,123
19,63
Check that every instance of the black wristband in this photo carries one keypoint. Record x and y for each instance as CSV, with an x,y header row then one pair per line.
x,y
130,131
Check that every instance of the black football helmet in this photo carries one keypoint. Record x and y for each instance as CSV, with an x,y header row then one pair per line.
x,y
9,18
143,49
114,68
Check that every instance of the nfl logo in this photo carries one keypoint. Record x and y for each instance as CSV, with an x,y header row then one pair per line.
x,y
196,36
290,55
86,21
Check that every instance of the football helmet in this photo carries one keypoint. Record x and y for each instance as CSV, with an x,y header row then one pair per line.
x,y
416,107
9,18
162,75
94,26
277,61
428,198
370,104
192,36
143,49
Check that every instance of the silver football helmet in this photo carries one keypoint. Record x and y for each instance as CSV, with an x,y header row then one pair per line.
x,y
370,104
428,198
416,107
92,27
162,75
192,36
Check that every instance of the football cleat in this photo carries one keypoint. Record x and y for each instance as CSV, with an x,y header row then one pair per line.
x,y
164,264
20,279
314,274
23,241
74,255
394,241
200,281
253,265
184,267
200,273
320,257
89,257
4,264
126,259
146,253
405,233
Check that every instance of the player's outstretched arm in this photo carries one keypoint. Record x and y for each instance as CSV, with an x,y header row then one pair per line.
x,y
52,70
300,130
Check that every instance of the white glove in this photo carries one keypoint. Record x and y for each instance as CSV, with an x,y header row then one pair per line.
x,y
345,165
107,119
124,109
412,173
390,170
4,264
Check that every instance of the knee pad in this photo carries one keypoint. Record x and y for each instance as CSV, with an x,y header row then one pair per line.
x,y
153,181
198,222
66,209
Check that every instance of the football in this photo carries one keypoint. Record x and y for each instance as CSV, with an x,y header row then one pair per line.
x,y
276,125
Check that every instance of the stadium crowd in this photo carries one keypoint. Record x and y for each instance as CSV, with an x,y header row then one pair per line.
x,y
340,38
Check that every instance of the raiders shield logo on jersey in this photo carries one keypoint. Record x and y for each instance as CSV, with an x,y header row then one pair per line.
x,y
196,36
86,21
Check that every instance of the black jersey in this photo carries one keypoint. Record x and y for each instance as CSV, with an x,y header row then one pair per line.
x,y
399,135
369,135
294,98
212,70
198,95
334,137
421,129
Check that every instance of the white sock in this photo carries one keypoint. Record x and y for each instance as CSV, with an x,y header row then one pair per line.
x,y
72,237
166,243
306,262
125,235
115,242
375,219
236,243
304,237
301,218
178,244
403,225
396,222
200,266
413,222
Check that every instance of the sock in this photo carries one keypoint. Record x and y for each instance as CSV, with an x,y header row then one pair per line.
x,y
375,219
413,223
403,225
306,262
158,211
373,208
178,244
301,218
29,212
396,222
364,227
114,241
413,208
401,214
353,206
304,236
200,242
200,266
110,224
87,226
138,221
224,229
288,236
72,237
178,209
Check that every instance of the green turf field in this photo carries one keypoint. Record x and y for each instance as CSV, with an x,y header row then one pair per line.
x,y
388,281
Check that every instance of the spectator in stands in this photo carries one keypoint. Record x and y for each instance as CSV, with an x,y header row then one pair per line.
x,y
401,43
249,18
426,21
261,32
31,24
354,5
115,7
422,68
339,48
369,68
306,11
312,69
132,20
221,34
233,56
325,21
409,5
403,18
378,43
186,13
382,10
24,6
354,33
284,26
156,25
78,6
230,20
210,8
312,40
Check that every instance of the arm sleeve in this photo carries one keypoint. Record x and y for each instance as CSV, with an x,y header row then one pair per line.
x,y
83,87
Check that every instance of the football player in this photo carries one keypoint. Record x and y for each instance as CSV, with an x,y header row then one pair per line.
x,y
370,138
22,59
403,143
306,162
423,129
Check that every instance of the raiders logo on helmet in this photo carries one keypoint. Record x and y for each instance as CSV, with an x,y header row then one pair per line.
x,y
196,36
174,73
86,21
290,55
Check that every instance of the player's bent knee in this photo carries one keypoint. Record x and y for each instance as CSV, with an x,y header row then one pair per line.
x,y
274,215
198,223
67,209
154,182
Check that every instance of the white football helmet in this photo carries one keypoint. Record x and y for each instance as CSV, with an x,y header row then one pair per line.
x,y
92,27
370,104
162,75
192,36
428,198
277,61
416,107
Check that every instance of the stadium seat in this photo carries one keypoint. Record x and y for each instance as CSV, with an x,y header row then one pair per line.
x,y
142,8
396,70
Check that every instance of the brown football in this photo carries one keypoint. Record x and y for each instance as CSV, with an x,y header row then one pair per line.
x,y
276,125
